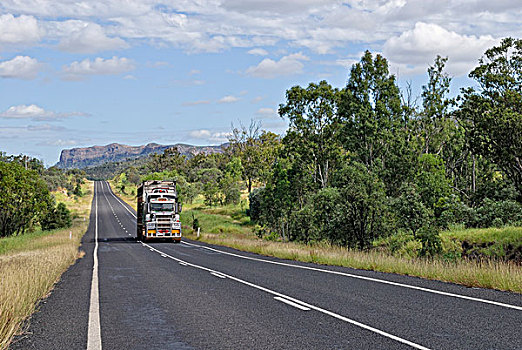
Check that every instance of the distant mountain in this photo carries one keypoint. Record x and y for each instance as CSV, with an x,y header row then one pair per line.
x,y
91,156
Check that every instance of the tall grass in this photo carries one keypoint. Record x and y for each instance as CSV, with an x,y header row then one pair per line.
x,y
486,274
31,264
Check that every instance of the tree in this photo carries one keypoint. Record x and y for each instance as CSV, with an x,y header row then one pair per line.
x,y
55,217
412,214
23,196
257,150
312,133
434,118
244,144
492,116
373,121
362,212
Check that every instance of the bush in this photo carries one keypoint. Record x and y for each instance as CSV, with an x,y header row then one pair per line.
x,y
497,214
56,217
256,204
430,240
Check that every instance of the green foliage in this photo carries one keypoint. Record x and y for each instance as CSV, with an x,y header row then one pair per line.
x,y
412,214
56,217
312,134
363,213
493,116
430,179
23,196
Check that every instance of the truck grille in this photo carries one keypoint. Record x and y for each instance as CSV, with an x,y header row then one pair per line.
x,y
163,222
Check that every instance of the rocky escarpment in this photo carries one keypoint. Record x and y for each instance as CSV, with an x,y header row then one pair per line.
x,y
115,152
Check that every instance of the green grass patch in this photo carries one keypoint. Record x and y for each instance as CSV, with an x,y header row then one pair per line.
x,y
494,243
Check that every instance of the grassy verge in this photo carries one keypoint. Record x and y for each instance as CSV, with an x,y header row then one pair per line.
x,y
31,264
486,274
229,226
128,196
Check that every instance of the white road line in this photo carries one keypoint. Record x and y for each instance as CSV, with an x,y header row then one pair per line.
x,y
291,303
397,284
217,274
183,263
377,280
94,330
297,301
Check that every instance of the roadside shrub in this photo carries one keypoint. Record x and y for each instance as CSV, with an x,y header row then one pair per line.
x,y
430,240
256,203
499,213
56,217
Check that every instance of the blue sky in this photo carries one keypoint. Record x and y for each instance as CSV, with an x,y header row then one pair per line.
x,y
82,73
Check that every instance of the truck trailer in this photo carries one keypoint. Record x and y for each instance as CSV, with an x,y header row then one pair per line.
x,y
158,211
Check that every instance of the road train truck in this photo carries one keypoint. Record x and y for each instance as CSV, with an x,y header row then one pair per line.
x,y
158,211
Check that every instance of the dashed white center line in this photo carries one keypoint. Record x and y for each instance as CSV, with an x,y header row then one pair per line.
x,y
291,303
296,301
217,274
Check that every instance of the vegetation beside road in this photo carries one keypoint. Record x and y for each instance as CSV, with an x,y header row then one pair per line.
x,y
230,226
31,263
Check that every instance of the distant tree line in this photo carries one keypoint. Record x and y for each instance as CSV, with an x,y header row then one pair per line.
x,y
25,198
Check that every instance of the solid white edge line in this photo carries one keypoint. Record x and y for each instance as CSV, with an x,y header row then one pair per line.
x,y
397,284
291,303
94,330
297,301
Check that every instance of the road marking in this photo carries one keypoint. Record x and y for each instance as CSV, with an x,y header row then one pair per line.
x,y
183,263
291,303
217,274
94,330
297,301
397,284
371,279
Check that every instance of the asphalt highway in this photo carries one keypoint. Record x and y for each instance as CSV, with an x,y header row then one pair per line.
x,y
126,294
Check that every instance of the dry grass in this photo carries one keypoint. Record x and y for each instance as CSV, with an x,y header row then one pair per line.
x,y
488,274
31,267
129,196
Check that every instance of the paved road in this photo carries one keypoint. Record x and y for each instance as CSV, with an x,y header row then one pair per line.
x,y
197,296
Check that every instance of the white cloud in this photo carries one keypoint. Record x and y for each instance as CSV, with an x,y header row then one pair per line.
x,y
22,67
194,72
196,103
258,51
287,65
90,38
415,49
19,31
266,113
35,112
228,99
99,66
200,134
209,136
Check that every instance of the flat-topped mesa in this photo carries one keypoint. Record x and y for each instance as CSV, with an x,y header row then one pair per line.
x,y
95,155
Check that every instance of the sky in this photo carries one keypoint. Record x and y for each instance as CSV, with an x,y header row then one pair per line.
x,y
77,73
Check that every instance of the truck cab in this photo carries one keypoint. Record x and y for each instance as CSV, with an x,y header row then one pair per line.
x,y
158,211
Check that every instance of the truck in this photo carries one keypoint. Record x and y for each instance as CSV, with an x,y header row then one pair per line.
x,y
158,211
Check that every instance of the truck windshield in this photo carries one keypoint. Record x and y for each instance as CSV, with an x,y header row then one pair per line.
x,y
161,206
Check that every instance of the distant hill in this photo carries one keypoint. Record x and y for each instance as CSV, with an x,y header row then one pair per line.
x,y
80,158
